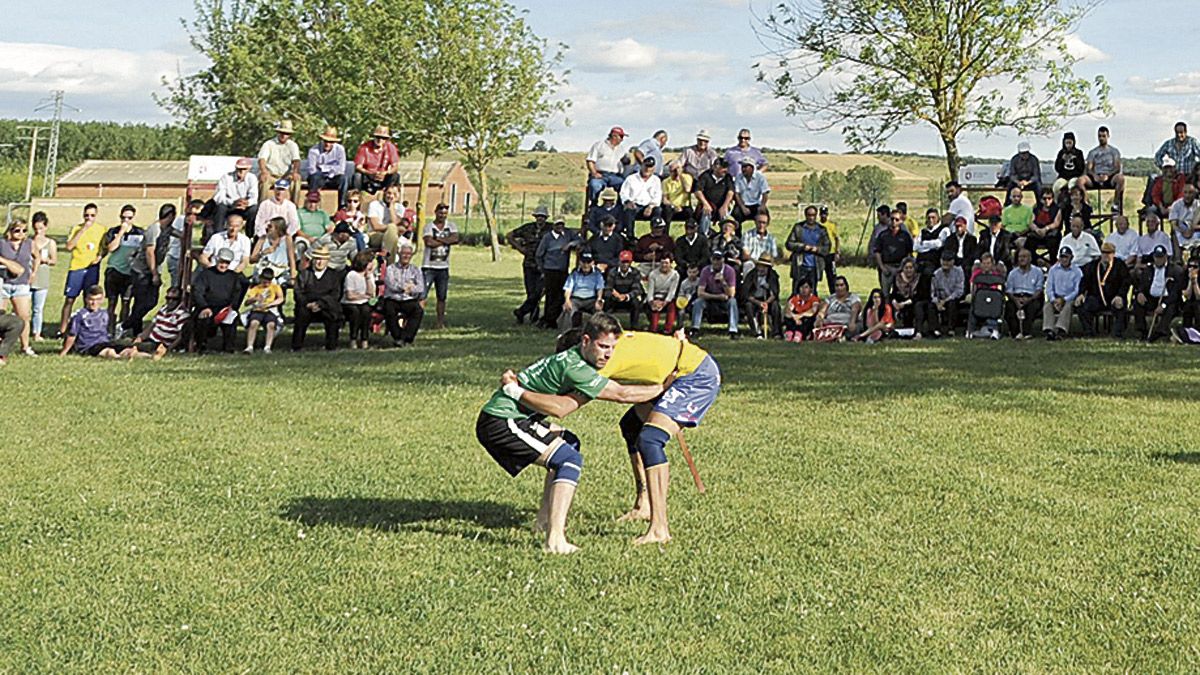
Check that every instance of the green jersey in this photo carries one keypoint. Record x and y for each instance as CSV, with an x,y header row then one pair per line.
x,y
313,223
1017,219
560,373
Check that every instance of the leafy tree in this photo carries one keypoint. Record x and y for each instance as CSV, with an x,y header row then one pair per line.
x,y
873,67
827,187
869,184
540,146
572,203
532,164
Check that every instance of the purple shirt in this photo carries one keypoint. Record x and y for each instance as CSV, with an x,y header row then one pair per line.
x,y
735,154
89,328
712,283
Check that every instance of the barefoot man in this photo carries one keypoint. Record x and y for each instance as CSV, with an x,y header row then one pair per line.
x,y
517,436
692,381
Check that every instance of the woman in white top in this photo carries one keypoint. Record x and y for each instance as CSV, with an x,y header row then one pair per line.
x,y
357,291
661,291
45,250
840,309
276,251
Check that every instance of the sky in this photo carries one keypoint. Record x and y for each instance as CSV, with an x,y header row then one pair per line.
x,y
681,65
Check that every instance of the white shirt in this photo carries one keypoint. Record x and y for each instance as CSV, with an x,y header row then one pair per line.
x,y
438,257
923,245
1084,247
220,240
1158,287
606,158
230,189
642,191
1127,244
961,206
272,209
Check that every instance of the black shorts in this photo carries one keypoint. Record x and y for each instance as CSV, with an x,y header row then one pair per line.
x,y
117,284
1105,185
514,444
147,346
95,350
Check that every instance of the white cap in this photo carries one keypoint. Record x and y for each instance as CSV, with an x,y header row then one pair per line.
x,y
1167,161
702,135
1023,146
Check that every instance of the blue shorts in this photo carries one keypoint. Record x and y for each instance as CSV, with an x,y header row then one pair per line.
x,y
79,281
689,398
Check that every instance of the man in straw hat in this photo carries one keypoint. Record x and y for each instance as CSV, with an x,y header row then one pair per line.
x,y
279,157
760,299
327,165
377,162
318,298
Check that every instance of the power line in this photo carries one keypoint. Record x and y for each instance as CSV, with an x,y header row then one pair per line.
x,y
51,174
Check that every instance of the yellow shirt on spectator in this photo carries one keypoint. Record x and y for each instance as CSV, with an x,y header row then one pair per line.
x,y
262,296
87,249
678,191
647,358
831,230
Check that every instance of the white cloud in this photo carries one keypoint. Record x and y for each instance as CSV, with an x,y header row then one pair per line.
x,y
628,54
38,68
1182,84
1086,53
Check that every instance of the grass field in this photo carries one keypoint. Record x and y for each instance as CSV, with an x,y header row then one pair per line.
x,y
960,506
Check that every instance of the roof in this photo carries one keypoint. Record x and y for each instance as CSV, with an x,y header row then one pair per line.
x,y
174,172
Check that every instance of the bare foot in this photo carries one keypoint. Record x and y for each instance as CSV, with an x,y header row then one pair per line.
x,y
560,547
635,514
653,537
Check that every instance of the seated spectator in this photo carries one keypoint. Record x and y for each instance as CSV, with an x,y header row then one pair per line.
x,y
1062,287
727,242
327,165
607,208
276,253
1084,249
809,246
652,147
279,162
403,293
1159,292
1069,164
641,197
603,163
877,319
883,222
1104,169
997,241
606,247
760,299
750,191
1152,239
945,294
377,162
717,290
1075,205
237,192
318,298
232,239
341,246
1124,241
691,249
892,247
1190,305
87,331
165,333
216,294
1017,217
743,150
699,158
909,303
553,258
661,291
277,206
689,285
652,246
386,224
963,245
1024,290
929,242
1045,233
801,314
677,195
314,221
358,290
263,302
986,268
1024,170
1181,215
354,215
758,243
623,288
714,192
840,310
1181,149
1167,188
584,290
1105,289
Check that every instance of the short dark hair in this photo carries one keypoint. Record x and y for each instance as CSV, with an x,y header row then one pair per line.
x,y
1181,124
94,290
361,260
931,210
902,206
1103,128
90,205
441,206
953,184
128,207
166,211
601,323
720,161
40,217
196,203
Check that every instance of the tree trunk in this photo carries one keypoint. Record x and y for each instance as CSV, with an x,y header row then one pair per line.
x,y
488,216
952,159
422,193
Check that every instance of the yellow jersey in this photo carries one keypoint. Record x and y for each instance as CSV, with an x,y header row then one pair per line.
x,y
831,229
87,248
647,358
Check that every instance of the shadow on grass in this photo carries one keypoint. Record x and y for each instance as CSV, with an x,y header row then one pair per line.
x,y
399,515
1177,457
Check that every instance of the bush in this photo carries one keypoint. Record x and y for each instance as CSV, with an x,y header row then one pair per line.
x,y
572,203
532,164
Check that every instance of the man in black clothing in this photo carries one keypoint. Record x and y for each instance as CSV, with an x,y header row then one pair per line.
x,y
606,247
691,249
760,296
1024,171
998,241
607,208
318,298
891,248
1105,288
525,240
1070,163
714,192
216,294
963,245
623,289
1158,295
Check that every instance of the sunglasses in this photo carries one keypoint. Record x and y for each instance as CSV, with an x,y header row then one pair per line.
x,y
22,231
89,215
743,138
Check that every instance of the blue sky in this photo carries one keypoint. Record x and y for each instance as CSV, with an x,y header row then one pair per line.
x,y
682,65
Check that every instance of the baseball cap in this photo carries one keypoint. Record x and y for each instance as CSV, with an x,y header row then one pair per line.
x,y
243,163
225,255
649,161
313,196
1167,161
748,161
1023,146
657,222
625,256
824,209
283,184
586,256
617,130
343,227
1160,251
1066,250
717,254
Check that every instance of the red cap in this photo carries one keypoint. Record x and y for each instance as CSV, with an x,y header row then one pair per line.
x,y
616,130
313,196
626,256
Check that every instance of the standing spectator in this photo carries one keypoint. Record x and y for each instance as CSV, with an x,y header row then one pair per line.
x,y
174,237
1158,295
237,191
662,289
376,162
341,246
750,190
1069,165
677,194
525,240
553,258
216,293
318,298
438,237
641,198
928,244
997,241
1024,287
714,193
403,293
910,224
840,309
1124,241
263,301
743,150
18,266
909,301
801,314
835,247
120,242
809,246
607,208
651,247
963,245
45,250
357,291
699,158
1181,149
1084,249
143,267
1167,188
327,165
760,299
946,289
717,289
277,206
652,147
1024,171
691,249
165,332
1104,171
584,290
883,221
232,239
892,247
1105,289
279,159
1045,232
314,221
275,252
623,289
87,331
385,220
960,204
607,246
603,163
1062,287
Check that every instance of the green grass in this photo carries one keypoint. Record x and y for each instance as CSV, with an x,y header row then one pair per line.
x,y
961,506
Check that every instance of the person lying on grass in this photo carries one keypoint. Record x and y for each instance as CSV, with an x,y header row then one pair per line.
x,y
164,333
692,381
87,331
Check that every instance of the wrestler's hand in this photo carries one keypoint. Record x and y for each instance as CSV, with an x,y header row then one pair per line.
x,y
508,377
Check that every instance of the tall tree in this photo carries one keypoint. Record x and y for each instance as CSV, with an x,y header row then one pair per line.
x,y
872,67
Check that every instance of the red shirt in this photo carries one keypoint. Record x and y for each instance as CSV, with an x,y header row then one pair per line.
x,y
370,159
799,305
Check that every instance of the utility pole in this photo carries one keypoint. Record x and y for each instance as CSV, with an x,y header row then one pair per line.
x,y
51,174
33,141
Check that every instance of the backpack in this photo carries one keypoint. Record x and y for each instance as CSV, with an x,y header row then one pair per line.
x,y
989,206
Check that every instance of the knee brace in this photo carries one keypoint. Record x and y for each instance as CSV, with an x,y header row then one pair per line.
x,y
570,439
652,443
566,463
631,426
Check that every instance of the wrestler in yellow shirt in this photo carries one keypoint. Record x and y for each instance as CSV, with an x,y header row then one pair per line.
x,y
648,358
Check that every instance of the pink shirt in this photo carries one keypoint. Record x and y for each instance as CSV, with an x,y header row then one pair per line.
x,y
272,209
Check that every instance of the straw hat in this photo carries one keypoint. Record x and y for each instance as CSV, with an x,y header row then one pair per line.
x,y
284,127
381,131
319,253
330,134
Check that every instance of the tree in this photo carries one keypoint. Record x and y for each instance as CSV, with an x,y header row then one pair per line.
x,y
869,184
540,146
872,67
572,203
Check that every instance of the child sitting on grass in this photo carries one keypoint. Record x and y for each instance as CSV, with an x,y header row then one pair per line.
x,y
165,332
264,300
87,331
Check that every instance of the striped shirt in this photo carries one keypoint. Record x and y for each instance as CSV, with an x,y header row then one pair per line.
x,y
168,323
